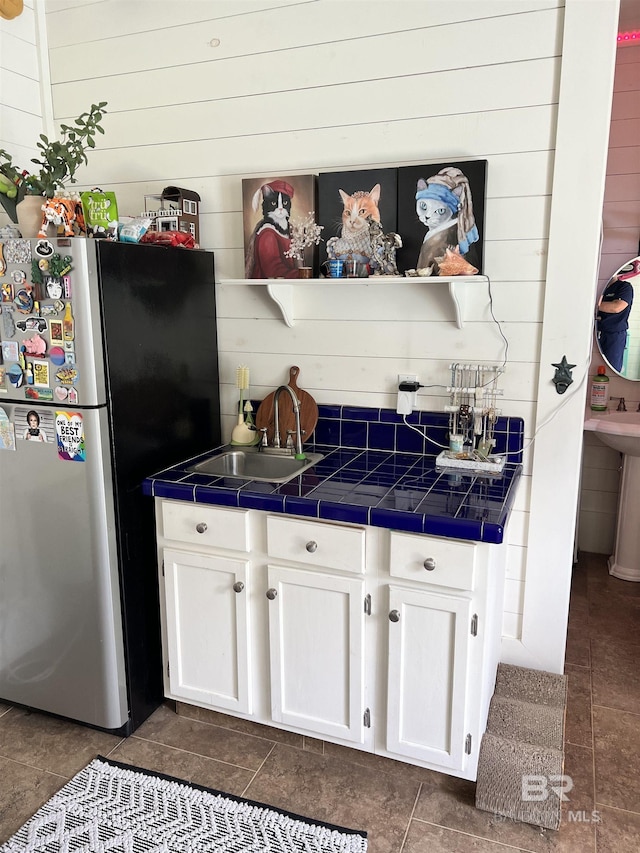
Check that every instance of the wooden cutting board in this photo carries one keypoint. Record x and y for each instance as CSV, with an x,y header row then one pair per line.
x,y
265,416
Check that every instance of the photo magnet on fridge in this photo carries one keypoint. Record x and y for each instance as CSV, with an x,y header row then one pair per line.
x,y
441,217
33,425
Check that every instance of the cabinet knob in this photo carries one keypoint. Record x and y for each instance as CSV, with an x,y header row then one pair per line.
x,y
429,564
272,593
201,528
394,616
311,546
238,586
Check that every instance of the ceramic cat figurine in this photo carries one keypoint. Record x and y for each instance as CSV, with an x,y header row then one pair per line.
x,y
265,257
359,210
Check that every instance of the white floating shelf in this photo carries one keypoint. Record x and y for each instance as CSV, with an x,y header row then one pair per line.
x,y
282,291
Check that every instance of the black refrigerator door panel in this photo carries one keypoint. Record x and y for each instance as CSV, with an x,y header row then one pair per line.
x,y
161,363
160,340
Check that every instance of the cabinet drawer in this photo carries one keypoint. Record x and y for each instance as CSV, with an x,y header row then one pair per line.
x,y
425,559
316,544
203,525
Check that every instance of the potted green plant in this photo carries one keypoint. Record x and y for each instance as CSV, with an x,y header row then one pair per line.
x,y
57,162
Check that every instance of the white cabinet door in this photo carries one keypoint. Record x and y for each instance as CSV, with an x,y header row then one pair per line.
x,y
316,636
429,636
208,629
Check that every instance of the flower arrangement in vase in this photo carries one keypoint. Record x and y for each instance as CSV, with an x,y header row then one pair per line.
x,y
57,162
303,233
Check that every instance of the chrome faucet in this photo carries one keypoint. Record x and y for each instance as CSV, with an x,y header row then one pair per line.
x,y
622,406
296,412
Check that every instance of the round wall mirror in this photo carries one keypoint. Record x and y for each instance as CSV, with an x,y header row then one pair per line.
x,y
618,322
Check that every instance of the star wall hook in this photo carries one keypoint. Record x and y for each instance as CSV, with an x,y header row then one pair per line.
x,y
563,378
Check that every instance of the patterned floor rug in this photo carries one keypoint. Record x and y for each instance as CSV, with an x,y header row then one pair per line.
x,y
115,808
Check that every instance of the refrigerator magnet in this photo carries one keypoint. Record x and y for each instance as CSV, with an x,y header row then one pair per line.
x,y
55,308
54,287
24,301
15,375
8,325
44,394
70,437
35,345
56,354
7,432
44,249
37,324
40,373
18,251
55,333
67,374
60,393
33,425
7,291
10,351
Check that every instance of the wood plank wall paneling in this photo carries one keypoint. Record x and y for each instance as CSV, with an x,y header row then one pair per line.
x,y
287,91
620,239
20,103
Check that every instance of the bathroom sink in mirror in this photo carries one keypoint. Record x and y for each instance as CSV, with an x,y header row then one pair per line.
x,y
251,464
617,322
619,430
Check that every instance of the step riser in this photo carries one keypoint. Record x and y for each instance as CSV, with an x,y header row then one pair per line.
x,y
522,752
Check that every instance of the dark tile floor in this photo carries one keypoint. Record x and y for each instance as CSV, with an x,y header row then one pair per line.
x,y
403,808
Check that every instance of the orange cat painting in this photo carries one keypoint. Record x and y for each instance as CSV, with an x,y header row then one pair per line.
x,y
355,207
359,210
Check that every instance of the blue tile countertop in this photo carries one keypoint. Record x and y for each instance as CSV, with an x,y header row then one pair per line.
x,y
375,471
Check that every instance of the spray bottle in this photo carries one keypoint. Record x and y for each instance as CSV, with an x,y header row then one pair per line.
x,y
600,391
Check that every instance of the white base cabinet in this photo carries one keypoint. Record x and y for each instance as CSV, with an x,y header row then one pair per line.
x,y
316,642
207,629
428,669
384,641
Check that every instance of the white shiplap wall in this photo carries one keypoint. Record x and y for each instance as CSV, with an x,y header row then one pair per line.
x,y
22,97
202,94
620,241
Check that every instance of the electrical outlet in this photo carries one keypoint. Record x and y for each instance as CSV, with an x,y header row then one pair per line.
x,y
407,377
407,400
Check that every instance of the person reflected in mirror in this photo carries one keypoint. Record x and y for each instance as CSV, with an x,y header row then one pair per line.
x,y
612,318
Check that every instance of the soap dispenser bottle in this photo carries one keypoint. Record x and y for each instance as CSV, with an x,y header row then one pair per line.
x,y
600,391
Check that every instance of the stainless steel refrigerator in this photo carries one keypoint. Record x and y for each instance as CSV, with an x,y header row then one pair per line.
x,y
109,373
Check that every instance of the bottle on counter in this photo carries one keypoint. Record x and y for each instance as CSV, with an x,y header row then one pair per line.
x,y
600,390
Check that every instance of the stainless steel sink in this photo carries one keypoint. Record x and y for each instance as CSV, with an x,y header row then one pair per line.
x,y
251,464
